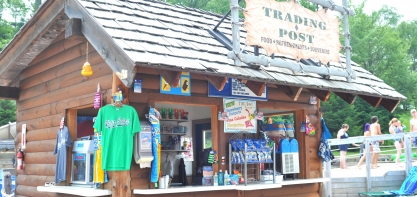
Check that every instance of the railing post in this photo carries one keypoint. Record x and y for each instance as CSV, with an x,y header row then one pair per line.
x,y
368,164
328,174
408,154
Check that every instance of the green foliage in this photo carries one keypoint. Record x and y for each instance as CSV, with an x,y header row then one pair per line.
x,y
7,111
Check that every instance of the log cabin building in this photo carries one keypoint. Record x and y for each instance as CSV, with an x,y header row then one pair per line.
x,y
41,69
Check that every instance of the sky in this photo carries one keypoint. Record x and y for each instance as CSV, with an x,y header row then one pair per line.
x,y
406,8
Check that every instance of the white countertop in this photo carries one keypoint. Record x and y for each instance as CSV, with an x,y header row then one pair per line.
x,y
206,188
304,181
80,191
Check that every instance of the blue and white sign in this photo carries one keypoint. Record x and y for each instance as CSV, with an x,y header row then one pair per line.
x,y
236,89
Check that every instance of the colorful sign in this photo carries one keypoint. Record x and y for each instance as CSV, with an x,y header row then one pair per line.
x,y
183,88
79,157
146,141
236,89
240,115
289,28
187,145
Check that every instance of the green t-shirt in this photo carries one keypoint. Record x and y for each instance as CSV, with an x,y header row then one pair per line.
x,y
118,126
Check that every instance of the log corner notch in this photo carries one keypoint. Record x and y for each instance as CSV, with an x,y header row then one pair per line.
x,y
390,104
349,98
73,29
217,82
323,95
256,87
170,77
11,93
373,101
290,91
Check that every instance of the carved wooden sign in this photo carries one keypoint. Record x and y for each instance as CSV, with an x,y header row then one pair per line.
x,y
289,28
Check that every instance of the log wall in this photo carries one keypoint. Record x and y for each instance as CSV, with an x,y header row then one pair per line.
x,y
48,87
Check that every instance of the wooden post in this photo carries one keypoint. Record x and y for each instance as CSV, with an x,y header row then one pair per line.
x,y
215,133
121,184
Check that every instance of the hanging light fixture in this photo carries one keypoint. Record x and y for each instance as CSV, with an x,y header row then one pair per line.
x,y
87,70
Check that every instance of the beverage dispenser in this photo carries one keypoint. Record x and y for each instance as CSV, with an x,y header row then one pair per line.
x,y
82,163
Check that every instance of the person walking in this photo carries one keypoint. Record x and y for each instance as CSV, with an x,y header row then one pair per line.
x,y
366,133
341,134
375,130
395,127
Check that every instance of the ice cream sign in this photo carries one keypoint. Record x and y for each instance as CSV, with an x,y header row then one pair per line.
x,y
240,115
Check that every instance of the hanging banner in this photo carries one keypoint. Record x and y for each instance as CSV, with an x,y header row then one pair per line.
x,y
240,115
183,88
289,28
236,89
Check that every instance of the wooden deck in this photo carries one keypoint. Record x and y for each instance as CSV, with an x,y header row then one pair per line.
x,y
349,182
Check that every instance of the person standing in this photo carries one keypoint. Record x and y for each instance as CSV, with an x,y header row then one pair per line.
x,y
413,125
365,133
395,127
375,130
341,134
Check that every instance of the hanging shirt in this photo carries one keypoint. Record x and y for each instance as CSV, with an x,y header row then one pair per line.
x,y
118,126
63,140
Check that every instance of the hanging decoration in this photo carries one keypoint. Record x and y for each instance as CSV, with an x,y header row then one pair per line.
x,y
87,70
97,98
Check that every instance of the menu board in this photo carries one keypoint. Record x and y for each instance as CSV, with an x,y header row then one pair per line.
x,y
240,115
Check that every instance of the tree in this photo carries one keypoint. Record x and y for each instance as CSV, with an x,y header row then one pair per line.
x,y
7,111
18,10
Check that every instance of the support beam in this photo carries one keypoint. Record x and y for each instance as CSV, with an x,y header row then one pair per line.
x,y
323,95
290,91
256,87
390,104
349,98
217,82
374,101
332,6
171,77
73,30
292,65
9,93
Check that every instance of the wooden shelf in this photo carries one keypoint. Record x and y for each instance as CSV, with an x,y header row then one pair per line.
x,y
175,120
173,133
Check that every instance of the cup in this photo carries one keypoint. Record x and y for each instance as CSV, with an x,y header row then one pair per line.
x,y
182,114
181,129
164,129
163,115
176,113
170,114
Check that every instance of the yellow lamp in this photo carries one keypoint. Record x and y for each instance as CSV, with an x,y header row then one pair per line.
x,y
87,70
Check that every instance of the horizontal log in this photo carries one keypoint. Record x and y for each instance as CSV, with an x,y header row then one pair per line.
x,y
315,174
60,37
70,79
137,173
314,164
41,123
60,70
55,48
221,193
312,109
24,190
62,94
39,134
40,146
33,180
139,183
273,104
58,107
40,169
60,58
40,158
298,190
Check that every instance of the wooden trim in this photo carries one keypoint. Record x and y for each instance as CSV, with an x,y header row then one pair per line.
x,y
9,93
300,116
390,104
71,120
255,86
373,101
349,98
291,91
280,105
33,39
171,77
215,133
73,29
115,57
323,95
217,82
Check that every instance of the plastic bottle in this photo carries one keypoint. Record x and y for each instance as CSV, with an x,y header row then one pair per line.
x,y
215,180
226,178
220,178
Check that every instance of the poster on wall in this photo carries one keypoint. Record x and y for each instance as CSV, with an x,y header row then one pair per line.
x,y
183,88
186,143
240,115
236,89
